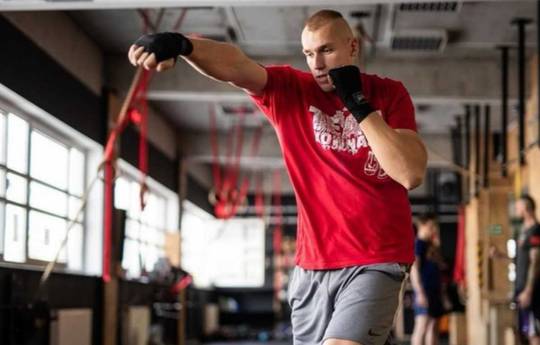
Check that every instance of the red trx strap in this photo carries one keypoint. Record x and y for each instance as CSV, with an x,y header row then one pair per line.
x,y
227,197
134,110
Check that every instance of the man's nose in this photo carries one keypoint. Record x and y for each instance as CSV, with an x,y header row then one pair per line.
x,y
319,61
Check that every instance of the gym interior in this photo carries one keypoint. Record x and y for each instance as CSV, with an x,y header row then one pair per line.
x,y
156,208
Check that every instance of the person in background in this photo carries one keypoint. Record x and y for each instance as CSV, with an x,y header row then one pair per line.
x,y
527,266
426,279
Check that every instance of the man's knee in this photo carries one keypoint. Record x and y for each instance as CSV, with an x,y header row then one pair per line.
x,y
333,341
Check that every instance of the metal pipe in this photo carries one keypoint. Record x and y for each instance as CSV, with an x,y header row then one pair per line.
x,y
521,22
487,138
477,135
504,110
466,194
467,136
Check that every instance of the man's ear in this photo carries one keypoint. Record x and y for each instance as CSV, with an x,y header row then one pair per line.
x,y
355,47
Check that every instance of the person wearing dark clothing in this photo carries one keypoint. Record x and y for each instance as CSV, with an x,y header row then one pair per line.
x,y
527,284
426,278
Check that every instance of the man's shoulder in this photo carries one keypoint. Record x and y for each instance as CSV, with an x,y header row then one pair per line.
x,y
287,69
385,82
535,229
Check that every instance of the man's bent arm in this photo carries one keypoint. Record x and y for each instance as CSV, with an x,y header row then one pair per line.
x,y
400,152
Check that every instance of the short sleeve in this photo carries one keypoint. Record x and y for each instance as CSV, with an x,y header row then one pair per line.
x,y
400,112
534,239
273,100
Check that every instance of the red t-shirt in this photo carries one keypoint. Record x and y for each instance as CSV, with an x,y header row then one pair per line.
x,y
350,212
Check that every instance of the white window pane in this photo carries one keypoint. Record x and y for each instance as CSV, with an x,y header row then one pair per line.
x,y
154,212
148,213
45,234
160,239
76,172
75,248
15,234
151,257
2,138
147,234
74,205
134,201
131,261
161,213
49,161
48,199
17,150
16,188
2,183
121,194
132,229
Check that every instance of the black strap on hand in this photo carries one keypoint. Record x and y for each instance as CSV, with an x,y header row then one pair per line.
x,y
348,84
165,45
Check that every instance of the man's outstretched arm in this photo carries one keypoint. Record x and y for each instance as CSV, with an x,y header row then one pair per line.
x,y
217,60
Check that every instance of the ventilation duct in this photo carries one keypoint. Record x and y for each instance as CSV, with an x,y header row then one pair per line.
x,y
445,6
419,40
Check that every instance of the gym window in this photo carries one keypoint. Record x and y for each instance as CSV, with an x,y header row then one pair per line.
x,y
42,179
222,253
146,232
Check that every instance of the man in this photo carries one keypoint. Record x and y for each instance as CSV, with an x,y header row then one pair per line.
x,y
427,283
351,150
527,266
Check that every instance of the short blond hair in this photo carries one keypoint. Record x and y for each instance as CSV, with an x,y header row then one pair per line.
x,y
321,18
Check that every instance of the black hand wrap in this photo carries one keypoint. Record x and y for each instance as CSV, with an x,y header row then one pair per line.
x,y
165,45
349,88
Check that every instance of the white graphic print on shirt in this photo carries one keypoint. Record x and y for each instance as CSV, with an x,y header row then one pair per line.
x,y
343,133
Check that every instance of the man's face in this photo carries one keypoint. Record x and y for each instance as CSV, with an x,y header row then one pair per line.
x,y
326,48
427,230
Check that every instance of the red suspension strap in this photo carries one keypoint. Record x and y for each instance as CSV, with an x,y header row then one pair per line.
x,y
109,162
227,196
259,195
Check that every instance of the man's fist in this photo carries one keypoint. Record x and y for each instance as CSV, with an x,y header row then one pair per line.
x,y
159,50
348,84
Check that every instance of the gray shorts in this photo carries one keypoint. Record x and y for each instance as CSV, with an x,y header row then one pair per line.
x,y
355,303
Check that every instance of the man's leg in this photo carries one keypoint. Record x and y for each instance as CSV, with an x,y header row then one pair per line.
x,y
311,307
420,328
365,302
432,334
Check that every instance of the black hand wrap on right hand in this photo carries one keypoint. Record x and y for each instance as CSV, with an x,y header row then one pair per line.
x,y
348,85
165,45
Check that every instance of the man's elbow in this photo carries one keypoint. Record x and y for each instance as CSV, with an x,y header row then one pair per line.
x,y
416,173
414,179
413,182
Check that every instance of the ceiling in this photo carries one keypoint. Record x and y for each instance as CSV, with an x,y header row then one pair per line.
x,y
467,30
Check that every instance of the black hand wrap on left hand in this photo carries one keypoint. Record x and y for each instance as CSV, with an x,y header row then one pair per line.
x,y
165,45
349,88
